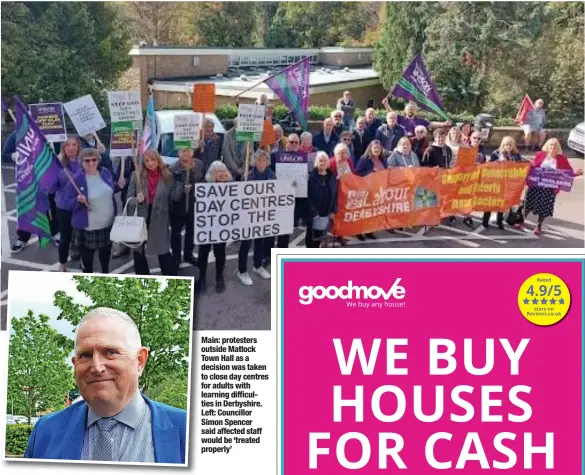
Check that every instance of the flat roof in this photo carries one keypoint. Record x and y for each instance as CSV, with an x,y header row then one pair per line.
x,y
188,51
321,80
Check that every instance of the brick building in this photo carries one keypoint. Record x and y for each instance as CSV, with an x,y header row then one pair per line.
x,y
171,72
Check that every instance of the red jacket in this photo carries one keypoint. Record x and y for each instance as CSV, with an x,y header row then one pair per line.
x,y
562,162
333,166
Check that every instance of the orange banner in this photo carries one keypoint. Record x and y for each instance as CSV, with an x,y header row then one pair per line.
x,y
466,157
204,98
406,197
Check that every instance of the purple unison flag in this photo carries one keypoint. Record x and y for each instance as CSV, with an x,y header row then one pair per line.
x,y
37,169
291,85
417,85
550,178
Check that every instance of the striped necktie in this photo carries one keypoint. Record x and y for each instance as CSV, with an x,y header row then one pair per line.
x,y
104,442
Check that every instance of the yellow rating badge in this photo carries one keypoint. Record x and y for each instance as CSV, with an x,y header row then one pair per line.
x,y
544,299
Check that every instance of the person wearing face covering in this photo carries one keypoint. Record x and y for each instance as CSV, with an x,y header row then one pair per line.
x,y
186,171
151,186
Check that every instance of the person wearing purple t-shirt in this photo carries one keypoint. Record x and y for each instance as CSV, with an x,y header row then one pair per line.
x,y
409,120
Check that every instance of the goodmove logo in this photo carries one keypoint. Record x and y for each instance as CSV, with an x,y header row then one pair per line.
x,y
349,292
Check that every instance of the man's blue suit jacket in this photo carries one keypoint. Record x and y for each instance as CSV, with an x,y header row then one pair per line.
x,y
60,435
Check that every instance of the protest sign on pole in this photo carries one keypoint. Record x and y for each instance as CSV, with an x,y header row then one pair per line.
x,y
239,211
550,178
204,98
187,130
294,166
250,122
126,116
268,135
51,120
85,115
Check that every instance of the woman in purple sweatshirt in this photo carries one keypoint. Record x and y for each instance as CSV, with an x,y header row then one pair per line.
x,y
93,209
68,156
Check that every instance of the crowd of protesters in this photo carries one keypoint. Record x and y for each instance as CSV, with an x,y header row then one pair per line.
x,y
82,210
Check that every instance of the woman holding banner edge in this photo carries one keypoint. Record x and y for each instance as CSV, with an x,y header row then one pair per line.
x,y
541,200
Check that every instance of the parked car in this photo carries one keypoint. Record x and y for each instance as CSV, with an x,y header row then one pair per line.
x,y
576,139
10,420
165,123
34,420
21,419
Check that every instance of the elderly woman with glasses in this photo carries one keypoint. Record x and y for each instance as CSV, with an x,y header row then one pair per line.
x,y
93,209
218,172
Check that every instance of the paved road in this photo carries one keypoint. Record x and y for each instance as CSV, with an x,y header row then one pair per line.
x,y
248,308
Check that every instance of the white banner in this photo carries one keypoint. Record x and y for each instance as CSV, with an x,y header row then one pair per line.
x,y
239,211
85,115
125,107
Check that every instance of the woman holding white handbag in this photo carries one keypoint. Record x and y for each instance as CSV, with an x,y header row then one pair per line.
x,y
151,188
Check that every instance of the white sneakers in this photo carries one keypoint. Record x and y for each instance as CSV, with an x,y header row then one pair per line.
x,y
247,280
262,272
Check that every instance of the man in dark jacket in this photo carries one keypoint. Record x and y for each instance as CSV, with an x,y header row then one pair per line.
x,y
186,172
361,139
390,133
327,139
373,123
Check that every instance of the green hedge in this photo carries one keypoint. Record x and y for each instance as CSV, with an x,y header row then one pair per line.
x,y
17,438
230,111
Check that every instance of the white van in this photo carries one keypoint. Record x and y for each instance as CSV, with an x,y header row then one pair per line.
x,y
576,139
164,133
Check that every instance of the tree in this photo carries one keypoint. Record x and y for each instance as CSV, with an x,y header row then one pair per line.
x,y
172,391
57,51
402,37
465,40
161,313
39,376
226,24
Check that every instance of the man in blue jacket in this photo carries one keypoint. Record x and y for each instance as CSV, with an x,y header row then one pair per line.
x,y
115,422
390,133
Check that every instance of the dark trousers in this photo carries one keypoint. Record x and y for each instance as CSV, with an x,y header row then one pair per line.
x,y
309,241
281,243
166,262
66,230
203,258
177,224
487,215
87,258
259,253
301,210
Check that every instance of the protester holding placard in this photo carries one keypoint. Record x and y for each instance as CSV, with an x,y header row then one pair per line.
x,y
68,156
541,200
403,156
151,185
186,171
93,209
260,171
341,163
361,139
216,173
89,141
322,195
234,152
210,148
506,153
